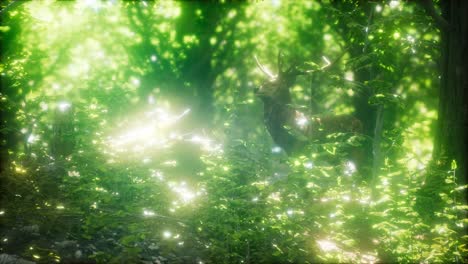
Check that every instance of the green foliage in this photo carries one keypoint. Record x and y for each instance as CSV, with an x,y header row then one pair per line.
x,y
131,134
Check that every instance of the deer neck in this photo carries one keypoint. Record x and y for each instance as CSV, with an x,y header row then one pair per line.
x,y
277,115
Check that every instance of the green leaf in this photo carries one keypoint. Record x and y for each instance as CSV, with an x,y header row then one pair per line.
x,y
454,165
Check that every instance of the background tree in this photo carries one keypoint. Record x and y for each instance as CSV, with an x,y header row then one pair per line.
x,y
450,143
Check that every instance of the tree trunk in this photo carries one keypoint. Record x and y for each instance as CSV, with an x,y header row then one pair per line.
x,y
201,19
451,141
10,136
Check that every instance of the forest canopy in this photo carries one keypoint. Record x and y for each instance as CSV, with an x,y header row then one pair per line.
x,y
223,131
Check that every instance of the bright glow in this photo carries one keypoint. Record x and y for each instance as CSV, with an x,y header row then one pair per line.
x,y
32,138
441,229
349,76
151,99
60,207
157,174
206,143
378,8
167,234
364,200
41,12
275,196
137,133
43,106
19,169
302,122
148,213
394,3
170,163
367,258
2,212
327,245
161,115
327,61
63,106
385,182
79,67
184,193
73,173
93,4
153,58
150,131
276,3
308,165
276,149
136,81
350,168
55,86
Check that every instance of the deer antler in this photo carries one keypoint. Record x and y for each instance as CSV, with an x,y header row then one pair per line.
x,y
264,69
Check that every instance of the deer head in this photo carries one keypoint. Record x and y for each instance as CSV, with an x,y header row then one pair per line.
x,y
276,87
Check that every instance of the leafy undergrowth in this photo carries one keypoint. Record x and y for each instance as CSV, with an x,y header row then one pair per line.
x,y
246,204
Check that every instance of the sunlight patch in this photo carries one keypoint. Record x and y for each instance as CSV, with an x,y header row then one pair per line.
x,y
154,130
148,213
150,131
184,193
327,245
350,168
63,106
167,234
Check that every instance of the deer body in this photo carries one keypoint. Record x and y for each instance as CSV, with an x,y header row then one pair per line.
x,y
282,120
321,126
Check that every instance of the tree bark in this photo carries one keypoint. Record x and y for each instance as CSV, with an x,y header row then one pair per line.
x,y
451,136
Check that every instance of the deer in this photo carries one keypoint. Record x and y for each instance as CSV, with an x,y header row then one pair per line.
x,y
289,128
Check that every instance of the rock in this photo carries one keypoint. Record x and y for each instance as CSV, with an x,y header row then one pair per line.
x,y
12,259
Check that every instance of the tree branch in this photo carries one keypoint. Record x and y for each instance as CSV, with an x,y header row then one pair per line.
x,y
428,5
9,6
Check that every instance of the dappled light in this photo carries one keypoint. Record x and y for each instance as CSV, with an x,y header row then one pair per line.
x,y
232,132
